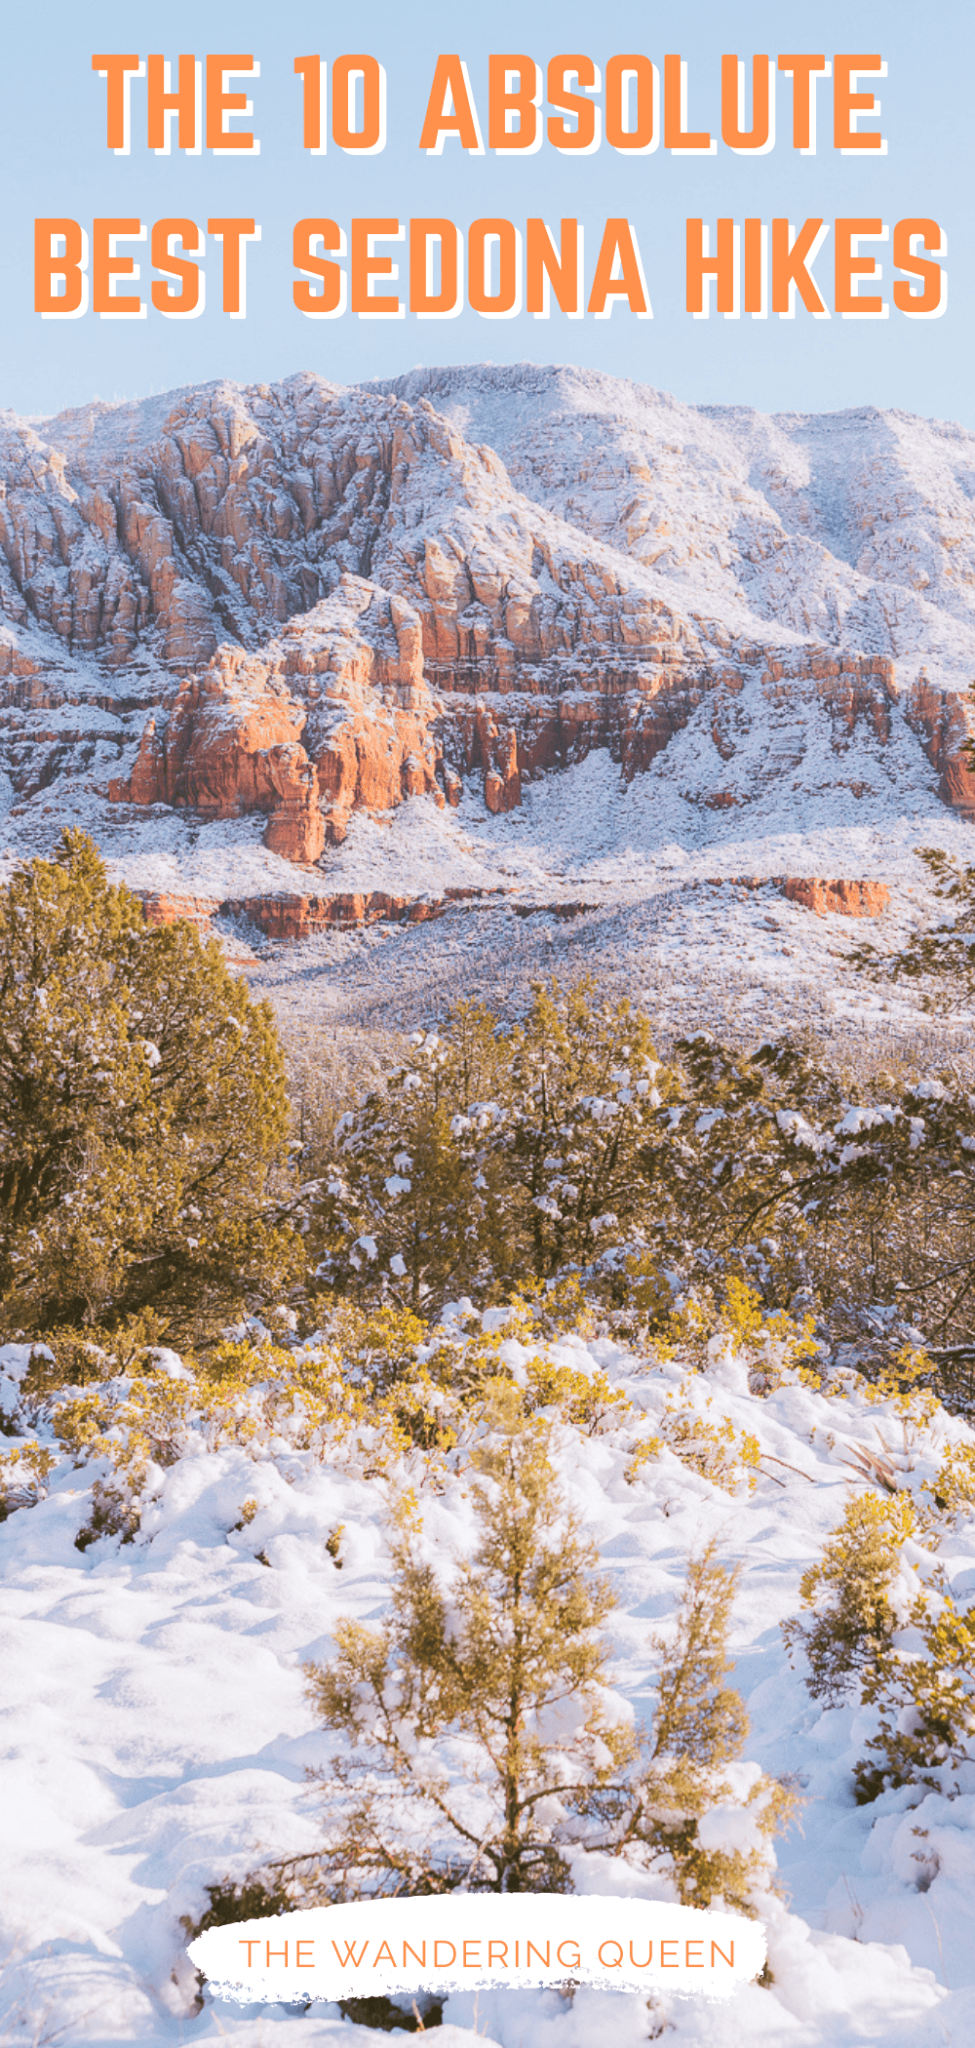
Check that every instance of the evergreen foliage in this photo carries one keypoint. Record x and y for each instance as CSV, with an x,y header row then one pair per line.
x,y
507,1669
953,1489
564,1145
493,1154
695,1741
479,1744
867,1191
912,1657
926,1699
849,1593
142,1109
946,953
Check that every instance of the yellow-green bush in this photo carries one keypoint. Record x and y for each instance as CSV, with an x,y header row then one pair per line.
x,y
716,1450
848,1594
953,1490
926,1702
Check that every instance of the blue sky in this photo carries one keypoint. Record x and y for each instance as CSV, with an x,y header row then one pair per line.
x,y
55,161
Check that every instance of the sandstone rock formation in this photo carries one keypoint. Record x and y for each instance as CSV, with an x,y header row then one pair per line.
x,y
813,892
290,915
161,908
294,916
299,600
941,720
845,899
237,739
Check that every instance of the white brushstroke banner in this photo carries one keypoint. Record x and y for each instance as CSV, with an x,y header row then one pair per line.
x,y
469,1941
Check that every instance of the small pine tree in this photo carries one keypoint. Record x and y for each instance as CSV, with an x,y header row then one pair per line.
x,y
506,1671
142,1108
697,1738
849,1593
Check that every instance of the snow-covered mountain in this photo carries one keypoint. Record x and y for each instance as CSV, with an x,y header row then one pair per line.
x,y
856,528
298,602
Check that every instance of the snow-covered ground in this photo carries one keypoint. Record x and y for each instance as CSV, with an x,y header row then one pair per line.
x,y
638,885
591,877
156,1732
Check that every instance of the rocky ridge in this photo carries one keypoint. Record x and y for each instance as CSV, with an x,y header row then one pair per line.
x,y
302,601
293,914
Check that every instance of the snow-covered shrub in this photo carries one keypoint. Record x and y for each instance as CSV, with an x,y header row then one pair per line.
x,y
953,1489
849,1592
702,1812
717,1450
905,1381
115,1511
500,1152
905,1649
24,1472
501,1671
374,1392
481,1744
868,1191
771,1343
69,1358
926,1700
585,1399
129,1429
494,1154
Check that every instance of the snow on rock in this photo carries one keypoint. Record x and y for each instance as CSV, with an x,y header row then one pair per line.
x,y
297,603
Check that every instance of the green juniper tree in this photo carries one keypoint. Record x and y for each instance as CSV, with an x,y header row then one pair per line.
x,y
492,1154
695,1741
142,1109
925,1693
926,1701
848,1592
479,1743
506,1669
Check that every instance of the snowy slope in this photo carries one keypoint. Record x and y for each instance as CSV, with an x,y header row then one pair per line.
x,y
155,1730
856,527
